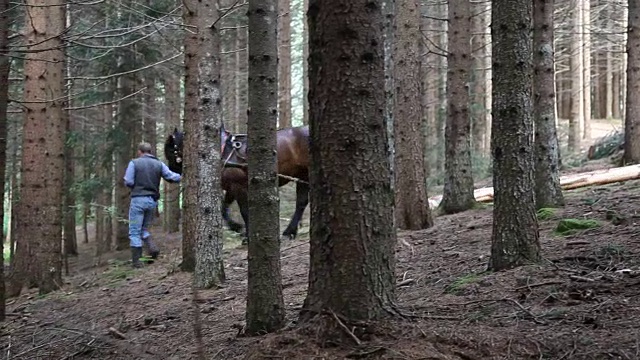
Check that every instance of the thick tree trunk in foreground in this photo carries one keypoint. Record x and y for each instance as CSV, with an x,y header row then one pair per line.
x,y
192,44
39,212
547,180
411,204
352,256
632,115
209,269
265,304
458,183
515,226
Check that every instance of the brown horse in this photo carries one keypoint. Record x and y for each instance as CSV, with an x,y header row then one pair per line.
x,y
232,181
293,165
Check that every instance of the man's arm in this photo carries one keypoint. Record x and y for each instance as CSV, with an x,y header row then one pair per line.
x,y
129,175
169,175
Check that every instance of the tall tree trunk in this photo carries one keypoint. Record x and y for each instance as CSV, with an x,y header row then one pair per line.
x,y
305,63
70,239
172,118
615,102
284,64
515,236
632,115
478,49
265,304
488,78
411,201
103,169
547,180
352,258
429,86
4,101
86,176
597,88
458,184
609,83
149,133
39,212
241,80
586,54
576,121
128,116
442,11
209,269
192,57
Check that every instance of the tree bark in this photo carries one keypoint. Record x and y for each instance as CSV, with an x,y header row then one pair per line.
x,y
411,200
305,64
458,183
39,212
547,180
488,78
352,258
284,64
586,55
209,269
240,124
149,133
192,56
172,121
4,101
609,83
632,115
515,236
478,104
265,304
576,121
69,206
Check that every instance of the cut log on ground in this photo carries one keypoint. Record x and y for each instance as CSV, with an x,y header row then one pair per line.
x,y
567,182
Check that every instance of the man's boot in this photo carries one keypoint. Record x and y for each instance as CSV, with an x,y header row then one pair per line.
x,y
153,250
136,254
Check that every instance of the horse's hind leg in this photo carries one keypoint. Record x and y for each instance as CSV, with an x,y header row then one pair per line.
x,y
302,200
226,202
243,203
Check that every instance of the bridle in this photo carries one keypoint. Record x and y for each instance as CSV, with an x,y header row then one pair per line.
x,y
235,147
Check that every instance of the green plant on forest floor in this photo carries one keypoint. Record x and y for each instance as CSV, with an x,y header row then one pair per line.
x,y
568,227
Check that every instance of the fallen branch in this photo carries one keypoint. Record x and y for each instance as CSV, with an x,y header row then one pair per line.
x,y
346,329
538,285
406,282
581,278
578,242
117,334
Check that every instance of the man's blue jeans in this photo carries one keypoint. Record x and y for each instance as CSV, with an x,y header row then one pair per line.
x,y
141,211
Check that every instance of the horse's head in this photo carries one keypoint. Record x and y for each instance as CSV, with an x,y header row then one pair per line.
x,y
234,150
173,150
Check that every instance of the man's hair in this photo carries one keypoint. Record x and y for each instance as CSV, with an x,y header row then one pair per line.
x,y
145,148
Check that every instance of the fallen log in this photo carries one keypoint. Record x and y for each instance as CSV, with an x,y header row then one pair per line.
x,y
567,182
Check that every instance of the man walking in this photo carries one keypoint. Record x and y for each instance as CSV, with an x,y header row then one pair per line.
x,y
143,178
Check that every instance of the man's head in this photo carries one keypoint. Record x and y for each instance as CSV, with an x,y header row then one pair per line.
x,y
144,148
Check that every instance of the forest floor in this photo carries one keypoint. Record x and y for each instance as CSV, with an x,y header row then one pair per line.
x,y
581,302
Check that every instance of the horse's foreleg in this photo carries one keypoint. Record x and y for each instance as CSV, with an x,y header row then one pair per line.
x,y
226,202
302,200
